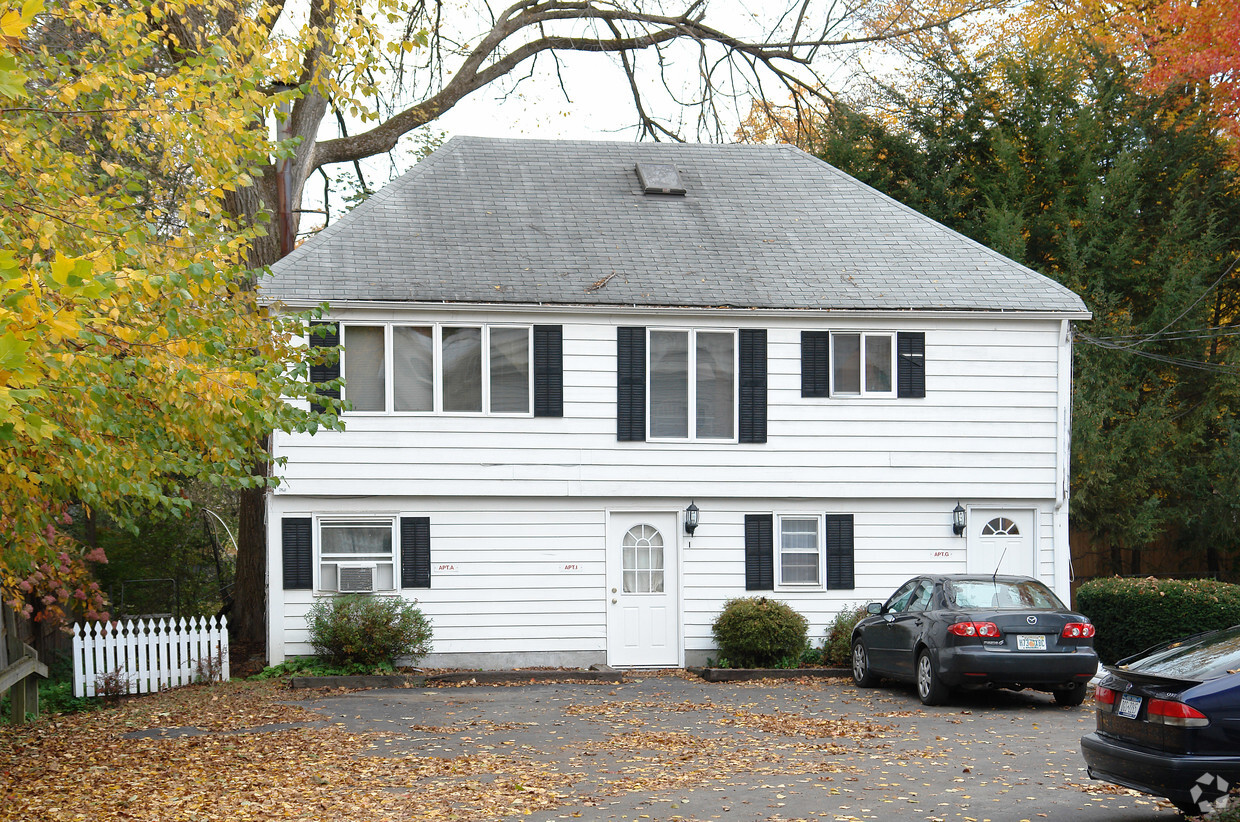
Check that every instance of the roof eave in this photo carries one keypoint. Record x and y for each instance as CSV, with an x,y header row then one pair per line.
x,y
560,308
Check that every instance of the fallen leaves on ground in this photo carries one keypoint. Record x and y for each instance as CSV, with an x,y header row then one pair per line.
x,y
306,765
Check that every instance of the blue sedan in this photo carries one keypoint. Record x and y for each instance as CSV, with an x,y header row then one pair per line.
x,y
1169,721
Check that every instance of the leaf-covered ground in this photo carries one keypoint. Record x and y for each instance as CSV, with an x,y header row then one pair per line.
x,y
661,747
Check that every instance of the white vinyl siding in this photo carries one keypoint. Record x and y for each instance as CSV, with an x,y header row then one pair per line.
x,y
989,427
522,581
514,499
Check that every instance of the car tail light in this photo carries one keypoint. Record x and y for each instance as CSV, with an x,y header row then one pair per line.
x,y
986,629
1104,696
1168,712
1078,630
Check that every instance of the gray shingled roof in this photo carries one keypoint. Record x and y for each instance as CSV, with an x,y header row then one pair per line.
x,y
566,222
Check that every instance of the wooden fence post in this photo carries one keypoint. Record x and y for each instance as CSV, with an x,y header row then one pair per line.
x,y
19,667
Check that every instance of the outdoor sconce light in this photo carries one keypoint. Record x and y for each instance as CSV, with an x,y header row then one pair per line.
x,y
958,520
691,518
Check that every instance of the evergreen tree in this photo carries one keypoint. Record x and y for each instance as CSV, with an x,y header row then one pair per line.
x,y
1054,157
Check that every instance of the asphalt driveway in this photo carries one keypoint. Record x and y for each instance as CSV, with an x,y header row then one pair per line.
x,y
668,746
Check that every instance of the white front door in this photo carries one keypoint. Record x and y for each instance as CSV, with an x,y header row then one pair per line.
x,y
1001,541
643,615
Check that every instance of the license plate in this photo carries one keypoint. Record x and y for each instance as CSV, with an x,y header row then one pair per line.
x,y
1031,642
1129,706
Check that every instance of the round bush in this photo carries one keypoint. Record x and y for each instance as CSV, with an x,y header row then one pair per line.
x,y
368,630
837,649
756,632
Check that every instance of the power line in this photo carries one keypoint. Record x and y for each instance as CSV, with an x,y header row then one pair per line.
x,y
1182,314
1213,368
1212,332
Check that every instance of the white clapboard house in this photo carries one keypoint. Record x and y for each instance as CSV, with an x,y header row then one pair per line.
x,y
555,351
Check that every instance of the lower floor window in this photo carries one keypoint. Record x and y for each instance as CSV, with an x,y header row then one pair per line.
x,y
357,556
800,551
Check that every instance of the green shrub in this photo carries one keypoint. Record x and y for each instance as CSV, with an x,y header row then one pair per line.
x,y
313,666
368,630
837,648
757,632
1133,614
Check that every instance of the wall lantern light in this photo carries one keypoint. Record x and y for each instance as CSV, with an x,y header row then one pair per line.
x,y
691,518
958,520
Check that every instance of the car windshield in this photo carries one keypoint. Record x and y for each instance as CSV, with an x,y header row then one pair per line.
x,y
1002,594
1199,658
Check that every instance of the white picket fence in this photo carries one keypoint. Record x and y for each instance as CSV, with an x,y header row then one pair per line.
x,y
143,656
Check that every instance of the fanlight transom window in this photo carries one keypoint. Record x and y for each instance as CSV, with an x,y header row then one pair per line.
x,y
642,560
1000,527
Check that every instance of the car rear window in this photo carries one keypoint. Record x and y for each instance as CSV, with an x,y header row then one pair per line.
x,y
1002,594
1199,658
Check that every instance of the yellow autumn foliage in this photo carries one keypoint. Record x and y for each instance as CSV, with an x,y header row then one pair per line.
x,y
132,355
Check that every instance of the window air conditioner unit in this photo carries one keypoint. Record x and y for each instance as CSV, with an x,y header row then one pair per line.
x,y
356,579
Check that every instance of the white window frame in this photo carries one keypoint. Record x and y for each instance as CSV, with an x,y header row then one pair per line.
x,y
820,552
692,380
389,369
392,558
864,392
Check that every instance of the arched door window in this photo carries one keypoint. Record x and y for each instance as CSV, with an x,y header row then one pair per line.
x,y
642,560
1000,527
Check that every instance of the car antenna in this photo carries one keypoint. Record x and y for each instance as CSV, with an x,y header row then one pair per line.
x,y
994,578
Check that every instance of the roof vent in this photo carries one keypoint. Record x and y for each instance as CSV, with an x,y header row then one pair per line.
x,y
659,178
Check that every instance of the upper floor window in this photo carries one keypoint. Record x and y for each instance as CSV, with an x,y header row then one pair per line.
x,y
692,384
470,369
862,364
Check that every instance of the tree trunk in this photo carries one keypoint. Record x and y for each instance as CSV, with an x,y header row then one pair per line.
x,y
249,598
248,616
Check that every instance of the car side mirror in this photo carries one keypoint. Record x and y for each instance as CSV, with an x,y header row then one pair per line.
x,y
874,608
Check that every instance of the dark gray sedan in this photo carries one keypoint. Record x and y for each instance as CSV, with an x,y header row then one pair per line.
x,y
963,631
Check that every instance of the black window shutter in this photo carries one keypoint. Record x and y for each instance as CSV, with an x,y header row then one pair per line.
x,y
752,385
840,552
759,552
298,546
548,371
631,384
415,552
911,364
815,363
325,335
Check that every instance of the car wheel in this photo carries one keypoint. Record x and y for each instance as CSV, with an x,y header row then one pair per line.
x,y
862,675
930,688
1073,695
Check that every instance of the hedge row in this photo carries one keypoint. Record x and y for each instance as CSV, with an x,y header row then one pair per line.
x,y
1133,614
